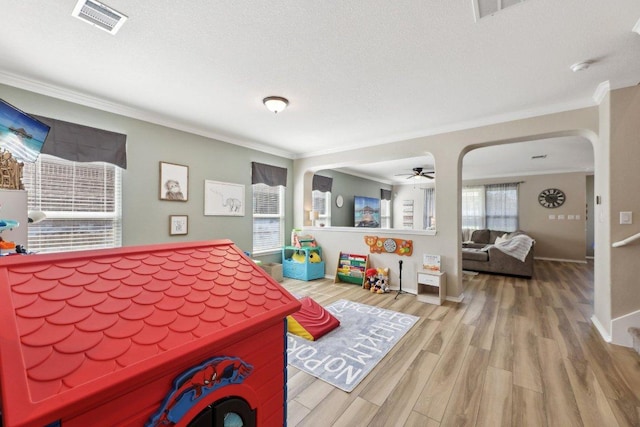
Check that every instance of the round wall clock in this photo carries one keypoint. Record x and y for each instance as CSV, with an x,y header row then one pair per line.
x,y
339,201
551,198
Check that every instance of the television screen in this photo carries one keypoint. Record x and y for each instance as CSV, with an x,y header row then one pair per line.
x,y
20,134
366,211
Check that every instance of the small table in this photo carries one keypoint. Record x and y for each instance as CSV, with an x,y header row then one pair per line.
x,y
432,287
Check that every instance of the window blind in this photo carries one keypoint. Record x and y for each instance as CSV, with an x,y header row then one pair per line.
x,y
82,203
268,217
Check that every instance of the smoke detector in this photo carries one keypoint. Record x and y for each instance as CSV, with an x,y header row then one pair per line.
x,y
580,66
99,15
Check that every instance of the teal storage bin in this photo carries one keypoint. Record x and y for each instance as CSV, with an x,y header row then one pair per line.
x,y
301,270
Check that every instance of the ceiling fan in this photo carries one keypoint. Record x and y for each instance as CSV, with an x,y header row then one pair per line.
x,y
418,172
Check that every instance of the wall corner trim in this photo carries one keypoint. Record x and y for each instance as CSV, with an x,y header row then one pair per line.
x,y
603,332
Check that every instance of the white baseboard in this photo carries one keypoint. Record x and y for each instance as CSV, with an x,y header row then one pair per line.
x,y
577,261
459,298
620,328
603,332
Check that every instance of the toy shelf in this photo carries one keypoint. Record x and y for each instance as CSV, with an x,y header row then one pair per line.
x,y
351,268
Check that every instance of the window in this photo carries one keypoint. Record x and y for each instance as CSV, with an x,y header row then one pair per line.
x,y
385,208
82,203
268,218
385,213
489,206
473,208
502,206
429,220
322,205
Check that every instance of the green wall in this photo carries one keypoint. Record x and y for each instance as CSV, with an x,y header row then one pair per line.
x,y
349,186
145,217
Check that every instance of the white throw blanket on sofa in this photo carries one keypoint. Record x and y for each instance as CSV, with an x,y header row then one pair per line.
x,y
517,246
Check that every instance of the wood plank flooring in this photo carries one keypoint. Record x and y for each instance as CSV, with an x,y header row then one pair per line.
x,y
515,352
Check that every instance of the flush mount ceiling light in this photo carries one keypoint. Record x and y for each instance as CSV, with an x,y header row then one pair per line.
x,y
99,15
275,104
581,66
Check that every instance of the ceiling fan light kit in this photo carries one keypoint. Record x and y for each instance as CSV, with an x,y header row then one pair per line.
x,y
419,173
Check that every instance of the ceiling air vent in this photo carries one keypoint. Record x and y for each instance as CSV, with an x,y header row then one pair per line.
x,y
484,8
99,15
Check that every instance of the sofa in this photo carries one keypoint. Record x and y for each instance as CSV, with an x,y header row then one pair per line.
x,y
481,253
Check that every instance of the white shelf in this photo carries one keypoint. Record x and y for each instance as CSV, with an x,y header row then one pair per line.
x,y
14,206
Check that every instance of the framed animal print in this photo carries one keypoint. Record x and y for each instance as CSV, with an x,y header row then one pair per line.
x,y
174,182
178,224
223,198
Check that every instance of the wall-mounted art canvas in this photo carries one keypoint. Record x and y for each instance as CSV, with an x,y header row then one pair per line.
x,y
20,134
174,182
223,198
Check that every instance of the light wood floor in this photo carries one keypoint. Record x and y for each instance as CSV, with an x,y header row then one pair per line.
x,y
515,352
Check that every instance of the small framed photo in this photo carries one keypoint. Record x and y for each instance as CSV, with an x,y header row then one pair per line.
x,y
174,182
178,225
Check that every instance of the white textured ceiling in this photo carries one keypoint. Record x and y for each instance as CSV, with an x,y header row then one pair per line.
x,y
356,73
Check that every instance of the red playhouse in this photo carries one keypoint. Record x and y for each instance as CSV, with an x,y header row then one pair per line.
x,y
174,334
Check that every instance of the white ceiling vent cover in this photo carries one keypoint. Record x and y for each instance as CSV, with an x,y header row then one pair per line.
x,y
484,8
99,15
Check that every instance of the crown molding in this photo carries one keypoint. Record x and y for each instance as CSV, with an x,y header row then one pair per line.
x,y
486,121
636,28
601,91
123,110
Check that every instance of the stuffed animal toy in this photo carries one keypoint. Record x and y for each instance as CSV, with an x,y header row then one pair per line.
x,y
299,256
380,280
314,257
381,286
370,278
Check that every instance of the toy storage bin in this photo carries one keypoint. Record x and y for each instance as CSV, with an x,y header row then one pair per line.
x,y
274,270
302,270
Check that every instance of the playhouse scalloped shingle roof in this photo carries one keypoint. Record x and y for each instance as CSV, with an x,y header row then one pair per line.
x,y
73,318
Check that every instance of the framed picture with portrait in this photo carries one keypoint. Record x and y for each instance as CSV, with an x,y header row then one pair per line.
x,y
178,225
174,182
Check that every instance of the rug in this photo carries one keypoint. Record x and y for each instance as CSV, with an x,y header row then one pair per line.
x,y
347,354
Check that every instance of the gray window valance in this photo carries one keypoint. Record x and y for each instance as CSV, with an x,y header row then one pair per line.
x,y
385,194
267,174
322,183
80,143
